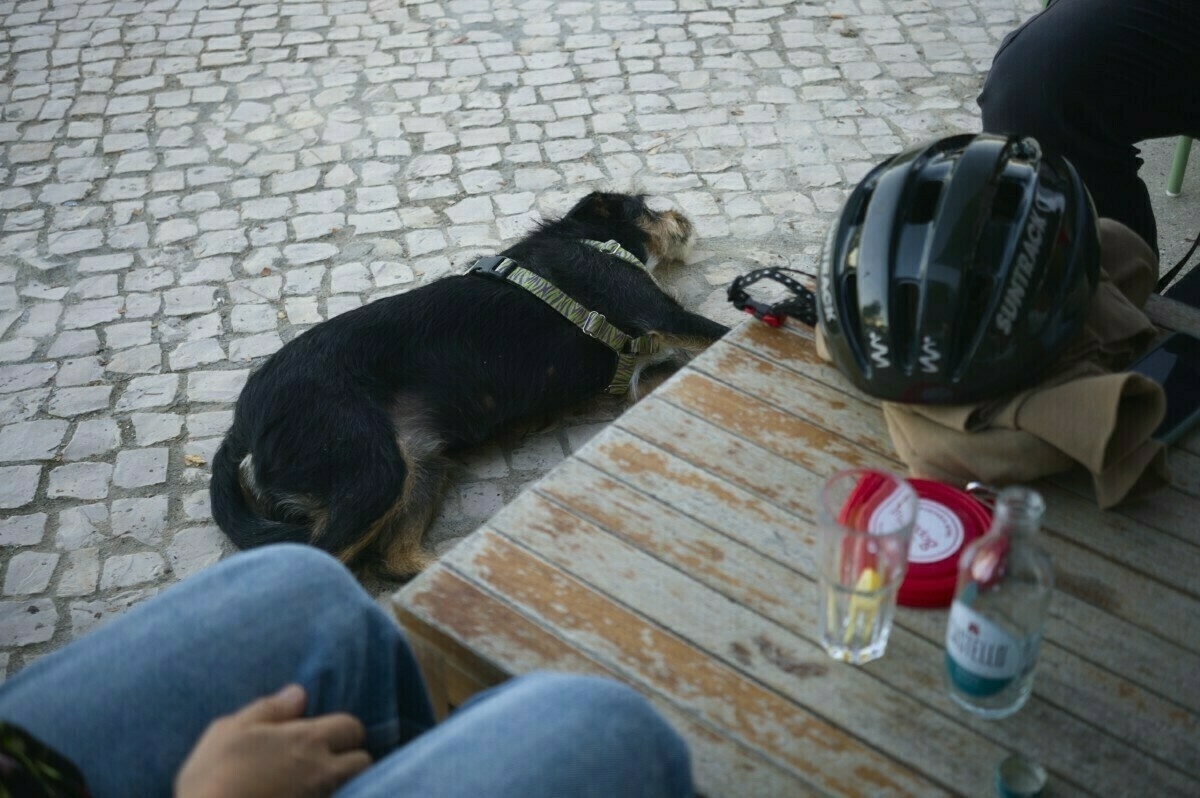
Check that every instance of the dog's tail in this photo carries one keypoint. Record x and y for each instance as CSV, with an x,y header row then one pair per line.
x,y
241,521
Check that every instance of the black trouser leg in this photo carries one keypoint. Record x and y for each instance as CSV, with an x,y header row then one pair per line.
x,y
1092,78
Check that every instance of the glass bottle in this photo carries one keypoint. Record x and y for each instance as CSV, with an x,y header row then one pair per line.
x,y
1000,603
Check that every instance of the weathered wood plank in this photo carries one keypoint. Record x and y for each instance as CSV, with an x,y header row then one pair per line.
x,y
453,673
1170,511
784,653
1158,726
1068,739
1148,602
803,394
1185,470
1165,558
1189,442
793,348
829,757
730,501
483,622
740,514
849,697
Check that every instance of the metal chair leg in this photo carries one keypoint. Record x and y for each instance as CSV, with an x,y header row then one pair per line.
x,y
1175,180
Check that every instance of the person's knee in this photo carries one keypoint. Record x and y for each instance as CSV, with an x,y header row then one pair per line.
x,y
592,694
607,708
293,571
292,559
1024,93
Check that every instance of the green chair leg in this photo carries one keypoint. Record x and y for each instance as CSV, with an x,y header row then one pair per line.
x,y
1182,150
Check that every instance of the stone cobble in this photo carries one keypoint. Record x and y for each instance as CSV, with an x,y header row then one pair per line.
x,y
185,185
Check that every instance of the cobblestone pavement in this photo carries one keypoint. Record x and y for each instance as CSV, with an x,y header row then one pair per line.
x,y
187,184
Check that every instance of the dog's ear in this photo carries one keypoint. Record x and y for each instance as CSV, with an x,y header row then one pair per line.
x,y
607,208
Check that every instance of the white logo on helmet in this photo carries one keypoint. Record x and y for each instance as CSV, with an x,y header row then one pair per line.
x,y
879,350
827,294
825,276
1031,244
930,356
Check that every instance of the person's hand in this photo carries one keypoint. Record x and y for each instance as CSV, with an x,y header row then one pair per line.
x,y
267,750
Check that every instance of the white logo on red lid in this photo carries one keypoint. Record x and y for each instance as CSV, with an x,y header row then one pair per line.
x,y
937,534
890,515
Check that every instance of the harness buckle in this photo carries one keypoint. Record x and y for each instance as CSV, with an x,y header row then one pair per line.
x,y
493,265
593,323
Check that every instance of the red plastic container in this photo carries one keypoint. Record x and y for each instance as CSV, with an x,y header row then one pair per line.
x,y
947,520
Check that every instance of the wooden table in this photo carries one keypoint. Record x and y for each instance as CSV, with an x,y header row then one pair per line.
x,y
675,552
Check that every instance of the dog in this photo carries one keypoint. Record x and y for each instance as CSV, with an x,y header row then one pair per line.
x,y
341,439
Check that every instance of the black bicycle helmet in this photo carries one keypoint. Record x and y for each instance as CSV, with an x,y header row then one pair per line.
x,y
958,270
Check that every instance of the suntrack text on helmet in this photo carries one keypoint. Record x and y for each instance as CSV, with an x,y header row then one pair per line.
x,y
1031,243
825,275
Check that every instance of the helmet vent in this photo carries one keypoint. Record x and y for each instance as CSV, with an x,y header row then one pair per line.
x,y
1007,202
925,202
850,292
978,294
907,298
860,213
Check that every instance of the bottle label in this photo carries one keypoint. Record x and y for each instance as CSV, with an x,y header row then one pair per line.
x,y
981,658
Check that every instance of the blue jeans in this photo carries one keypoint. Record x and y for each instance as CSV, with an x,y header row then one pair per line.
x,y
127,702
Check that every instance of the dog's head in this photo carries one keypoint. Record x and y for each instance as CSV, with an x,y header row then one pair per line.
x,y
665,235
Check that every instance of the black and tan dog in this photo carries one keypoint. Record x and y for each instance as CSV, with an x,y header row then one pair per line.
x,y
340,439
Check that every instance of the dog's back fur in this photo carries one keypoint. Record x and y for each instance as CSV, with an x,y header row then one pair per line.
x,y
339,438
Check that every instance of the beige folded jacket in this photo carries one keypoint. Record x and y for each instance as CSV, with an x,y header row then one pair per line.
x,y
1087,412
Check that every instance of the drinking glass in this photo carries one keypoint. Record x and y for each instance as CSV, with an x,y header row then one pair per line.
x,y
866,520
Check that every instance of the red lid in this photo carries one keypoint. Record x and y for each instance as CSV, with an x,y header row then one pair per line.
x,y
947,520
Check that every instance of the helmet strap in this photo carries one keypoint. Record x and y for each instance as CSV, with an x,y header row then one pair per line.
x,y
1166,279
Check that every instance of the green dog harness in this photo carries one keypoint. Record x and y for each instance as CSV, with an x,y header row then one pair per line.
x,y
594,324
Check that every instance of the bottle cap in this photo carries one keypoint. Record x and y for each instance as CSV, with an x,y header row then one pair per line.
x,y
947,520
1018,776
